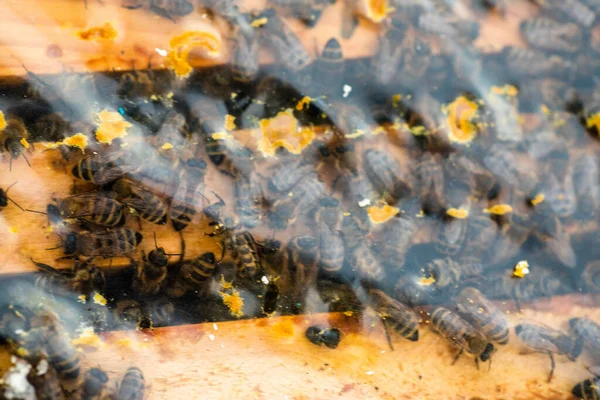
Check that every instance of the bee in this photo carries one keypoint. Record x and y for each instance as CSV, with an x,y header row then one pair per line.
x,y
191,186
50,127
98,169
388,56
551,231
483,315
132,385
402,319
361,259
586,177
287,174
229,156
112,243
321,335
523,62
482,232
461,334
328,213
303,197
385,173
4,199
245,57
587,335
339,295
558,185
83,278
130,314
547,34
287,47
572,10
329,68
429,177
396,237
249,200
450,274
270,297
245,252
145,203
96,208
588,389
451,235
46,383
331,249
169,9
62,355
444,26
546,340
12,139
591,276
308,13
194,274
504,165
93,384
465,177
545,284
151,274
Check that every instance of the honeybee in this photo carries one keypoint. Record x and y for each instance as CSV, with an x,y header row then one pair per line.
x,y
362,260
328,213
169,9
229,156
461,334
62,355
191,186
83,278
547,34
572,10
145,203
546,340
331,249
302,265
286,175
193,275
339,295
270,297
522,62
249,199
587,335
504,165
385,173
45,381
558,185
98,169
482,232
402,319
449,274
93,384
112,243
429,180
13,139
586,175
132,385
244,250
50,127
329,68
150,276
465,177
551,231
451,235
321,335
245,57
588,389
483,315
395,238
97,208
388,56
129,314
591,276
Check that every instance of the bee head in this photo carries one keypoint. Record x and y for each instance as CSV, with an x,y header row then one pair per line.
x,y
158,257
14,147
271,246
573,323
94,381
71,243
518,329
3,198
208,257
487,352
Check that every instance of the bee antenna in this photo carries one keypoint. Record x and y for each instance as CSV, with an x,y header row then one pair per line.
x,y
34,211
8,188
26,159
10,164
155,242
218,197
15,203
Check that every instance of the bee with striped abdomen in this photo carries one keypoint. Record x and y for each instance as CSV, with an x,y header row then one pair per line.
x,y
62,355
429,182
482,232
320,335
244,250
301,199
329,68
249,199
568,10
94,382
399,317
543,339
328,213
396,237
586,176
286,175
145,203
132,385
550,35
461,334
388,56
451,235
97,208
191,185
245,56
45,381
362,260
450,274
558,186
130,314
13,139
525,62
98,169
111,243
308,12
331,250
194,274
385,173
229,156
591,276
302,265
83,278
150,276
483,315
588,389
587,336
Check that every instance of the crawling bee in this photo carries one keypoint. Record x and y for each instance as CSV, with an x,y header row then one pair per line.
x,y
402,319
270,298
13,139
229,156
451,235
362,260
245,57
132,385
83,278
396,237
329,68
249,199
302,265
191,186
587,335
287,174
45,381
547,34
571,10
588,389
551,231
447,26
112,243
449,274
93,384
558,185
62,355
388,56
129,314
146,204
169,9
546,340
465,177
150,276
303,197
193,275
385,173
97,208
482,232
429,181
462,335
591,276
331,250
98,169
586,175
328,213
320,335
532,63
483,315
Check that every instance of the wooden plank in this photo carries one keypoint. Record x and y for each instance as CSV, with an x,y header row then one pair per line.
x,y
271,358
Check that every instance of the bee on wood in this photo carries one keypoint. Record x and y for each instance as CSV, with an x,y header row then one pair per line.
x,y
547,34
283,42
169,9
340,296
461,334
13,139
362,260
94,382
83,278
586,176
244,250
546,340
308,12
45,381
194,274
450,274
249,200
569,10
287,174
4,199
129,314
587,336
483,315
399,317
451,235
482,232
321,335
132,385
301,199
62,355
385,173
331,249
388,56
191,186
245,57
112,243
558,184
98,169
97,208
145,203
533,63
505,166
329,67
395,238
150,276
588,389
302,264
429,181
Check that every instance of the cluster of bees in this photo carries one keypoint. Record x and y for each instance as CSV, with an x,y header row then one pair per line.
x,y
435,168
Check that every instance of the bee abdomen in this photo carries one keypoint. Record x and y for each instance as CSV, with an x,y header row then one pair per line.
x,y
132,385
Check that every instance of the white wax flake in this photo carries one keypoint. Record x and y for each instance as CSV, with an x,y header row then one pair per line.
x,y
264,280
161,52
370,372
363,203
211,336
16,385
215,327
347,89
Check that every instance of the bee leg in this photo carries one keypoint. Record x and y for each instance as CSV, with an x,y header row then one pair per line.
x,y
553,365
387,334
457,357
477,363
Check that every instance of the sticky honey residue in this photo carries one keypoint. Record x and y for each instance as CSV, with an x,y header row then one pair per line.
x,y
104,32
112,126
521,269
426,281
99,299
283,131
2,121
593,121
381,214
87,338
459,213
284,329
257,23
229,122
24,143
303,103
166,146
461,115
506,90
539,198
182,45
499,209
